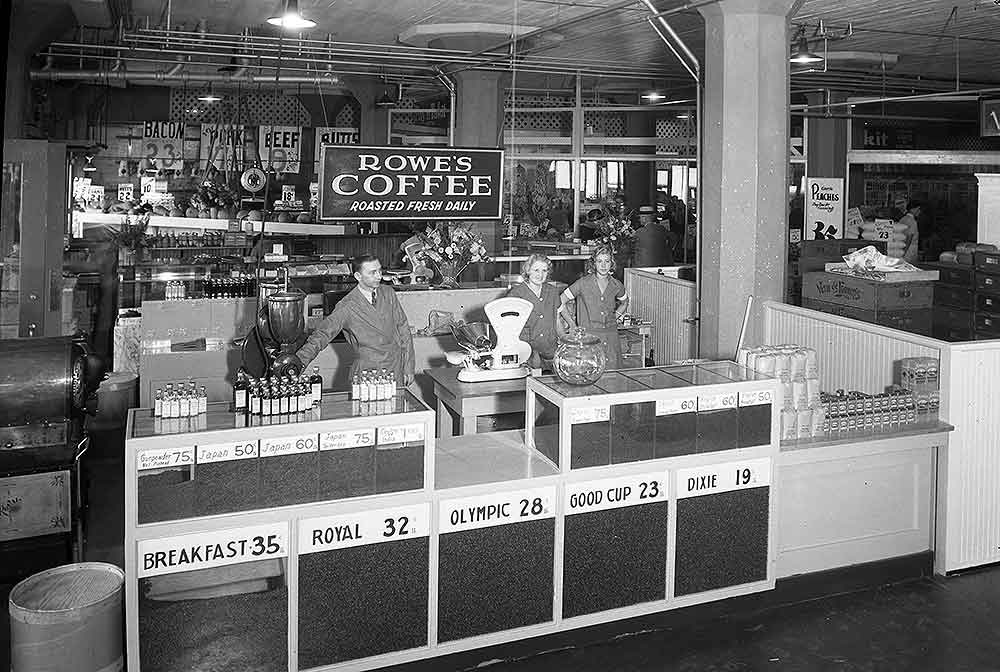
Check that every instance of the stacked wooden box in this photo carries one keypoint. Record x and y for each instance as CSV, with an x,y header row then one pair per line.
x,y
967,299
900,305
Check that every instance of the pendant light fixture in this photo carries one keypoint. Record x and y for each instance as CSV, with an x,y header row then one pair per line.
x,y
802,55
289,17
208,96
89,166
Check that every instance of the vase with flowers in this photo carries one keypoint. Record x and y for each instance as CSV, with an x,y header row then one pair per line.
x,y
448,248
131,237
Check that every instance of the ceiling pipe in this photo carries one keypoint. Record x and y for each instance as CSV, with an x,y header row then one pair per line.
x,y
688,60
155,77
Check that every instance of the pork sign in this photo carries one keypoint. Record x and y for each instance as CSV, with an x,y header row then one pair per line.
x,y
412,183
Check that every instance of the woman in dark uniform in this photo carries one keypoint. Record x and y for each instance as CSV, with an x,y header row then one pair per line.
x,y
600,302
544,327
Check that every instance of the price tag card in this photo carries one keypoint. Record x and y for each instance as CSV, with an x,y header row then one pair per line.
x,y
169,555
223,452
756,398
364,527
472,513
289,445
125,191
589,414
675,406
883,229
614,493
716,478
400,434
715,402
348,438
163,458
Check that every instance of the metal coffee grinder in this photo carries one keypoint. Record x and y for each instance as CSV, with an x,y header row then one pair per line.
x,y
269,348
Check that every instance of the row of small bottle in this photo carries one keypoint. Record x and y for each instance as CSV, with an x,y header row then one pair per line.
x,y
175,290
182,401
373,385
230,288
277,396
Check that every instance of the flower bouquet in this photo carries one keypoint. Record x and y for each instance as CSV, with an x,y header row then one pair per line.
x,y
214,200
449,248
616,230
131,237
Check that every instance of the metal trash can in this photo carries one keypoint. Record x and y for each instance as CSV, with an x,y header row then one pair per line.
x,y
117,393
68,619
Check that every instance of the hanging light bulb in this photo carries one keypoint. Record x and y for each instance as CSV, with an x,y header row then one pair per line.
x,y
209,97
802,55
290,19
89,166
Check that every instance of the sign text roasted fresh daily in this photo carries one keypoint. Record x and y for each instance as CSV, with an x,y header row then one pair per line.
x,y
359,183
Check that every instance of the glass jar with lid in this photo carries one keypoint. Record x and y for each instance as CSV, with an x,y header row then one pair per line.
x,y
580,358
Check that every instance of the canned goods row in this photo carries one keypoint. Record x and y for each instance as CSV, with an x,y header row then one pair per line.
x,y
785,362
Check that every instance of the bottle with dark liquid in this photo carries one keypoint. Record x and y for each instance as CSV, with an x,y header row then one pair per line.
x,y
240,390
316,386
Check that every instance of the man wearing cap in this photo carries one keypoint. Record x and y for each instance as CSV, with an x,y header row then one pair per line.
x,y
652,245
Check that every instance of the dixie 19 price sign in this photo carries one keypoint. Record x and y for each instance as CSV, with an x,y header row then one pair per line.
x,y
413,183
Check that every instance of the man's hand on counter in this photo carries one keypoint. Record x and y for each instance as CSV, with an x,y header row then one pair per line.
x,y
407,379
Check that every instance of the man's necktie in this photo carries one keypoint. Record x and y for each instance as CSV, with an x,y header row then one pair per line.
x,y
373,297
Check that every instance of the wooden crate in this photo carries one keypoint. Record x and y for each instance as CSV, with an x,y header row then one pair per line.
x,y
913,320
868,295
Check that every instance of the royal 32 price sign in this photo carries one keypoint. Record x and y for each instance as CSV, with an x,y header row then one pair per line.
x,y
364,527
412,183
473,513
614,493
716,478
170,555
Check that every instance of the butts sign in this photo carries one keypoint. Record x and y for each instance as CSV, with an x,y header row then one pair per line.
x,y
414,183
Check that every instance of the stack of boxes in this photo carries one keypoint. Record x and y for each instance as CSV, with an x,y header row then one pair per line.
x,y
967,296
802,415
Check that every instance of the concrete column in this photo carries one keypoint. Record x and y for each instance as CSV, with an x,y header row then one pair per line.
x,y
826,153
374,120
744,166
988,229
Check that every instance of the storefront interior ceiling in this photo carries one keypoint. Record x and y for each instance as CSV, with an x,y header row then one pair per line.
x,y
890,47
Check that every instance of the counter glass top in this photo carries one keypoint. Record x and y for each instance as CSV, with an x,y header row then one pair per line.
x,y
334,406
667,377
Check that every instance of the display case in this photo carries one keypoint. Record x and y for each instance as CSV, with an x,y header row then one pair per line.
x,y
301,556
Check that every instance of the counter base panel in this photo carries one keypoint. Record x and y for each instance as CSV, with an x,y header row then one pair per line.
x,y
614,558
495,578
362,601
722,540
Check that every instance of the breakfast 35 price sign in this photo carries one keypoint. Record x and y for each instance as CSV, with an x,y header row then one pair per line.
x,y
413,183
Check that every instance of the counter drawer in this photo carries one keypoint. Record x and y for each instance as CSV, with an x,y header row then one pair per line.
x,y
952,334
987,262
987,324
954,296
952,317
952,274
988,283
988,303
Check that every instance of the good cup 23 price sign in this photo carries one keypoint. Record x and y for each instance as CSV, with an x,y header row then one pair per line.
x,y
364,527
412,183
170,555
614,493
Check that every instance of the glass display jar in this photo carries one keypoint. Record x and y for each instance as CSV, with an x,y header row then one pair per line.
x,y
580,358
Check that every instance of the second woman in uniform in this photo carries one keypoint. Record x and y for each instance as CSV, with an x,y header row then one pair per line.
x,y
600,302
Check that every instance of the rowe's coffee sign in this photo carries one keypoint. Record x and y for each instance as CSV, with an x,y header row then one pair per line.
x,y
383,183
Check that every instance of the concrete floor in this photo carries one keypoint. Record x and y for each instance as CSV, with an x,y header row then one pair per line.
x,y
928,624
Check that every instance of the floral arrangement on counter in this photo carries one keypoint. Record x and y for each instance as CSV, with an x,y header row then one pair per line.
x,y
616,230
449,248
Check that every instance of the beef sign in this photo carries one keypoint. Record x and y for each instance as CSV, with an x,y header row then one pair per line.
x,y
412,183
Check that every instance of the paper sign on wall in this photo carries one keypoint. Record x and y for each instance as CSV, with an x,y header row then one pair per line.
x,y
281,146
824,208
337,135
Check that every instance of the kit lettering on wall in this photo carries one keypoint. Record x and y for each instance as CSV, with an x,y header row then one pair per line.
x,y
717,478
289,445
223,452
473,513
364,527
615,493
217,548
